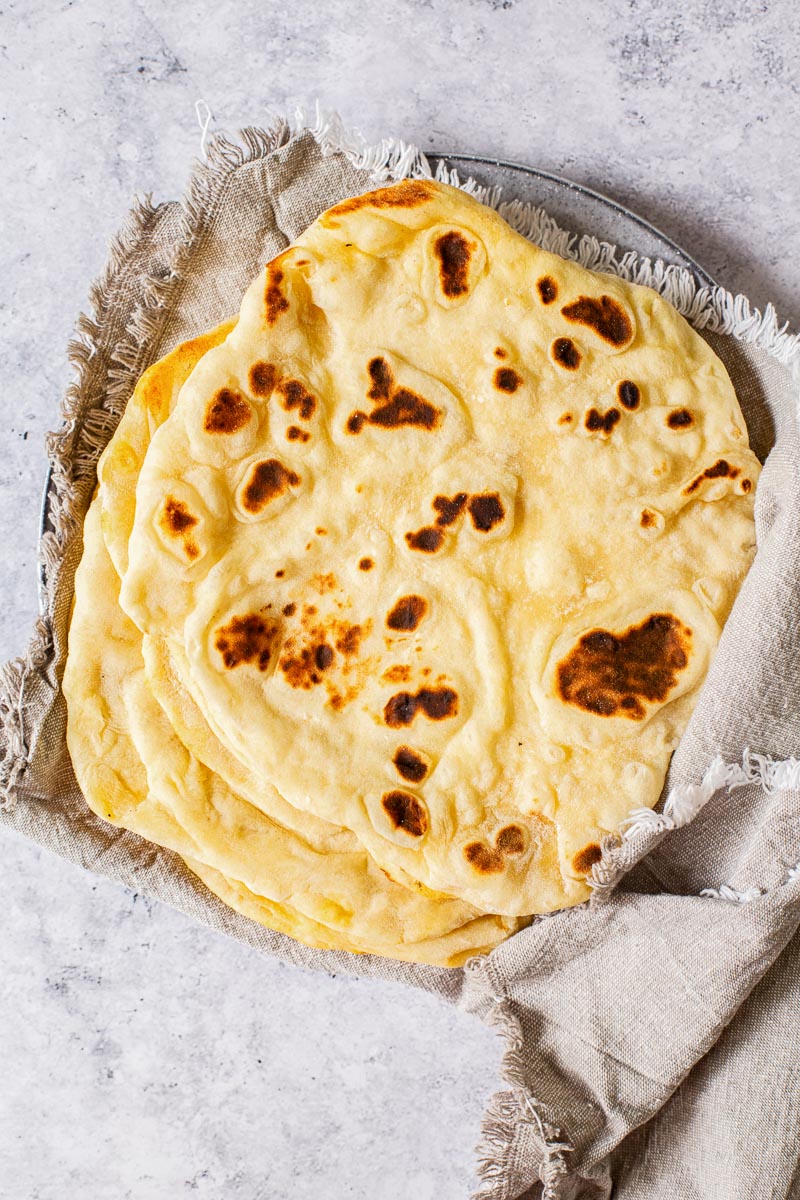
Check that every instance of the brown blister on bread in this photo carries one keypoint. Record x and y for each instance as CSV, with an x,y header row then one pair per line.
x,y
566,354
406,812
585,859
449,508
406,408
483,858
454,252
547,289
407,613
605,316
486,511
275,302
629,394
295,434
248,639
510,842
436,704
355,422
401,406
227,412
348,639
265,482
507,380
428,540
176,517
323,656
303,666
721,469
399,673
680,418
308,654
295,396
597,422
610,674
410,764
325,583
381,379
410,193
262,377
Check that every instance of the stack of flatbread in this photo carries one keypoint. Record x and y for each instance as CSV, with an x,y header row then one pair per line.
x,y
398,590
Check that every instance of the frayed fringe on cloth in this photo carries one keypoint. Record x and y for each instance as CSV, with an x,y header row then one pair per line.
x,y
733,896
643,828
685,802
508,1110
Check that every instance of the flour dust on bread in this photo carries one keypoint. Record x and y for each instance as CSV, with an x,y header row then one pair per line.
x,y
437,545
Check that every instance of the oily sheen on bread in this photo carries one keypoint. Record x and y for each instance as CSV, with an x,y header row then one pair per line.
x,y
430,551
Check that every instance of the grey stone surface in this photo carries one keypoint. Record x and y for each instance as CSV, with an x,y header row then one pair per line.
x,y
143,1056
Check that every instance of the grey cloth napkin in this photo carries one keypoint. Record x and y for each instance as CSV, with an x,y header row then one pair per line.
x,y
653,1035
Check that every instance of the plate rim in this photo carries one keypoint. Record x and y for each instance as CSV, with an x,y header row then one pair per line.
x,y
460,156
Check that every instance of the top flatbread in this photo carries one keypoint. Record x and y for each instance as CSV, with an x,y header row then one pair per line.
x,y
440,541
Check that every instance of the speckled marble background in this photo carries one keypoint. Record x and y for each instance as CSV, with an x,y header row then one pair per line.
x,y
142,1056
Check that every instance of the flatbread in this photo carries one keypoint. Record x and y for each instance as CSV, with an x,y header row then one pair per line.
x,y
153,400
318,885
439,543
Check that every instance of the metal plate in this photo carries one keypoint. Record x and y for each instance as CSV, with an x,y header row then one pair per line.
x,y
575,208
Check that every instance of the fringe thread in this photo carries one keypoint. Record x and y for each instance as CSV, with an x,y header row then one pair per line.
x,y
510,1109
643,827
733,896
